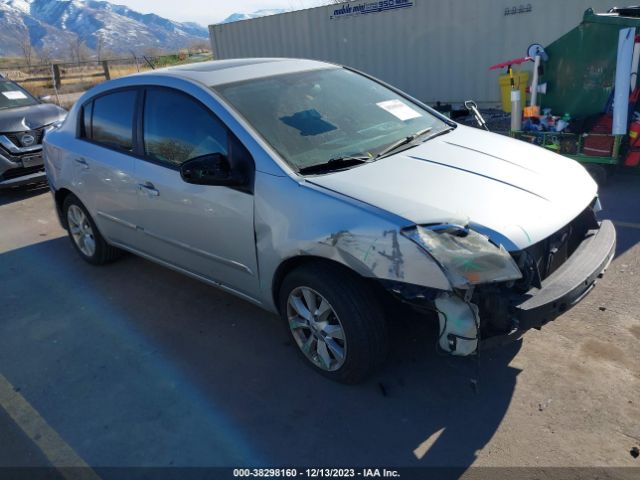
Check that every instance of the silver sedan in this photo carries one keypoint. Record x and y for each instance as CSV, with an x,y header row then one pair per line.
x,y
320,194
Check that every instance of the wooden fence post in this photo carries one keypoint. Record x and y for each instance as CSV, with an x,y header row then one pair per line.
x,y
55,89
57,82
105,67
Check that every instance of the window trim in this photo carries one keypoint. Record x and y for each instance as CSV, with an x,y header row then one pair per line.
x,y
80,122
137,151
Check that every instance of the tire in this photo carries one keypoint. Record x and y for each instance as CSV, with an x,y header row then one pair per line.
x,y
84,234
354,310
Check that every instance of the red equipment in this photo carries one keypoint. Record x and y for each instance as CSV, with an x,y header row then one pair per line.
x,y
633,157
515,61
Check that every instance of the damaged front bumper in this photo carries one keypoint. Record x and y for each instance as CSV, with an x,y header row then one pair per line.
x,y
564,288
571,282
482,318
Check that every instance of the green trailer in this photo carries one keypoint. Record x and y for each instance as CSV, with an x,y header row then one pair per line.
x,y
580,77
572,145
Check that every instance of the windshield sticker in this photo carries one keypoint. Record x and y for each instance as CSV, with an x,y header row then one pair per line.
x,y
14,95
399,109
308,122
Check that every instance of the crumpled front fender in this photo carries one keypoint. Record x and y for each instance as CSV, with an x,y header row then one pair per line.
x,y
321,223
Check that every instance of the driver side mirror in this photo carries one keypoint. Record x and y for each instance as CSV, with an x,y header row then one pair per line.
x,y
211,169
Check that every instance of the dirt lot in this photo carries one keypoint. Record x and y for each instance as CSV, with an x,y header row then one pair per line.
x,y
132,364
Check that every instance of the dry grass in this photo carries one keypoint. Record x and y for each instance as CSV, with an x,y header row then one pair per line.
x,y
83,76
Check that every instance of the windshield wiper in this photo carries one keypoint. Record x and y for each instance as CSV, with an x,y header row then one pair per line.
x,y
412,138
440,132
402,142
336,163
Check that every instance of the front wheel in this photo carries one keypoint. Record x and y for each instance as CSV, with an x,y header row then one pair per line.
x,y
335,320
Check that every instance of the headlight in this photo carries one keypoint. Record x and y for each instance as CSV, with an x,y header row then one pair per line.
x,y
467,257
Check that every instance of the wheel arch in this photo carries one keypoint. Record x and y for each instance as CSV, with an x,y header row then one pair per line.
x,y
60,196
292,263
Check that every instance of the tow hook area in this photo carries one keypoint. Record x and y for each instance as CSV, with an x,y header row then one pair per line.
x,y
459,324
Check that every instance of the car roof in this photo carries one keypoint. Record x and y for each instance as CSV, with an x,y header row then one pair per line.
x,y
218,72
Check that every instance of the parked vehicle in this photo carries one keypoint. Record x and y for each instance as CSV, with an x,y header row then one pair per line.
x,y
24,120
314,191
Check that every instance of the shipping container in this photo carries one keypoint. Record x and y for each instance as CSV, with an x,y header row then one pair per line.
x,y
435,50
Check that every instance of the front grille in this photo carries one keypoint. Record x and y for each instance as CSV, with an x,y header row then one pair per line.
x,y
540,260
20,172
37,134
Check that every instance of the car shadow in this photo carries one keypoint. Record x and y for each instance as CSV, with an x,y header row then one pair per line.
x,y
17,194
620,199
134,364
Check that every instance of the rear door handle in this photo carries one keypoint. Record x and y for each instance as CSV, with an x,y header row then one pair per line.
x,y
149,189
82,161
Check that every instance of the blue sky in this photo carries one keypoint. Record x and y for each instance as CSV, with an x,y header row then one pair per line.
x,y
206,12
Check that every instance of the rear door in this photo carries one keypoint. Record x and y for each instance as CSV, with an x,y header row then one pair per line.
x,y
205,230
105,165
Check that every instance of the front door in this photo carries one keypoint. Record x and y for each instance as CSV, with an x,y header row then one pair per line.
x,y
205,230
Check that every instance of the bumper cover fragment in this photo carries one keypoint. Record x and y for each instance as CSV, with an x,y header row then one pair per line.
x,y
571,282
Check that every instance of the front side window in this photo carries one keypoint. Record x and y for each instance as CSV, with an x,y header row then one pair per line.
x,y
112,119
314,116
177,128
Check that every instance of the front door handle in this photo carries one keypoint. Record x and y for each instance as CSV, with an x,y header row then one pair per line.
x,y
149,189
82,161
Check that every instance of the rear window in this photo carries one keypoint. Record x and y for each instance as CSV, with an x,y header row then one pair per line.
x,y
108,120
13,96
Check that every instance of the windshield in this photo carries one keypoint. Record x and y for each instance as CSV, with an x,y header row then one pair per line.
x,y
12,96
315,116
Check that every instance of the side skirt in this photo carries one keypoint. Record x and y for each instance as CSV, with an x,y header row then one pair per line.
x,y
197,276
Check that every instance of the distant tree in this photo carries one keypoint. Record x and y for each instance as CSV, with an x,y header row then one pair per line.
x,y
73,50
100,46
26,47
45,55
78,51
151,52
107,54
199,46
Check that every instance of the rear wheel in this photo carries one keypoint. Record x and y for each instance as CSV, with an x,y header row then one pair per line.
x,y
335,321
84,234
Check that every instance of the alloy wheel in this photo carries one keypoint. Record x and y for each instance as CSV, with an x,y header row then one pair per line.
x,y
316,328
81,230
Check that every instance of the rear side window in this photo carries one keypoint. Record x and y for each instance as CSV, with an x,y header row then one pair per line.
x,y
108,120
177,128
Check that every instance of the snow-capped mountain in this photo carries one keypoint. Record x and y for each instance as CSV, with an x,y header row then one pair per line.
x,y
54,25
234,17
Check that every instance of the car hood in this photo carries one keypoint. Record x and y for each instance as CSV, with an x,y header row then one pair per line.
x,y
30,118
515,192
